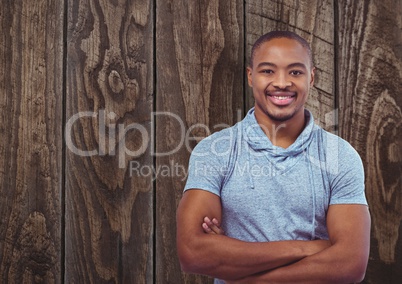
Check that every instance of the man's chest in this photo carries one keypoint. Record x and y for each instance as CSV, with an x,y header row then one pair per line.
x,y
287,201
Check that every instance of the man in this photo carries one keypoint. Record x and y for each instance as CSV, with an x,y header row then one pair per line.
x,y
289,195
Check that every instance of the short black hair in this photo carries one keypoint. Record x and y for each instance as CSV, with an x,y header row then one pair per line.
x,y
280,34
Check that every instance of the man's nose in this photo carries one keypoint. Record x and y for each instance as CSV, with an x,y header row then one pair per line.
x,y
281,81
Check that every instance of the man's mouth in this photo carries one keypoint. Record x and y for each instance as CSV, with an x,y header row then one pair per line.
x,y
281,98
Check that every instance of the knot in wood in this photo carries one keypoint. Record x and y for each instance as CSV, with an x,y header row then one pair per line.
x,y
115,82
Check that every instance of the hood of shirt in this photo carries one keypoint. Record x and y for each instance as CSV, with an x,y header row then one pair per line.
x,y
259,142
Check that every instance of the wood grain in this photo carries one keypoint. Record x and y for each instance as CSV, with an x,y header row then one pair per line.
x,y
109,222
122,193
314,21
199,59
370,72
31,53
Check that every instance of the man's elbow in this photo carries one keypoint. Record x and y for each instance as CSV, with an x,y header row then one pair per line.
x,y
187,261
191,261
357,271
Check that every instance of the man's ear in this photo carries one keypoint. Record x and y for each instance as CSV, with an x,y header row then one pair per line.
x,y
249,78
312,76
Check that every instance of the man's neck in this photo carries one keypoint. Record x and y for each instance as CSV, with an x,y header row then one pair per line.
x,y
282,133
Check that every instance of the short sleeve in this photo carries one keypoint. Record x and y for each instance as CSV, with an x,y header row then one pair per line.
x,y
206,168
347,174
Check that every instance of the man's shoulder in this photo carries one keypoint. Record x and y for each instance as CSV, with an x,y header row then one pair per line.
x,y
331,140
219,141
337,150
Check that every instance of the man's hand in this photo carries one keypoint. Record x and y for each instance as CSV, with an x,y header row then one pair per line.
x,y
212,227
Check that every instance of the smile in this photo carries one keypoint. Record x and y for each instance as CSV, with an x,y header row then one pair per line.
x,y
282,99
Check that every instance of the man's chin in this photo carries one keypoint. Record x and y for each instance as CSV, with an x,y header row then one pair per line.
x,y
282,117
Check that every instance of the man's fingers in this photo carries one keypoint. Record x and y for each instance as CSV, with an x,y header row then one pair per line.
x,y
212,223
216,222
212,226
217,226
208,221
206,228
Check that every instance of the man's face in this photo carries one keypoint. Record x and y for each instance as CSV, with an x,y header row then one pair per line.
x,y
281,78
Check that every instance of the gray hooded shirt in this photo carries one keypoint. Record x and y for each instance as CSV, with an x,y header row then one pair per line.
x,y
269,193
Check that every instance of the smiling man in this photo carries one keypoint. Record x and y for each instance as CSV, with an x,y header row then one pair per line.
x,y
289,195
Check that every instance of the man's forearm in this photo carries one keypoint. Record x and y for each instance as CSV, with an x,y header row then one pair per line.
x,y
226,258
325,267
343,262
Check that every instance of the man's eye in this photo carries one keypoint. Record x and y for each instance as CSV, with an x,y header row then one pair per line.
x,y
267,71
295,72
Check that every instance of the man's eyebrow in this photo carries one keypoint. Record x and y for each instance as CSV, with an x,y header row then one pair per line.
x,y
297,64
292,65
266,64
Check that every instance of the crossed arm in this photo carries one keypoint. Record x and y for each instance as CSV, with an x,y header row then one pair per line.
x,y
342,260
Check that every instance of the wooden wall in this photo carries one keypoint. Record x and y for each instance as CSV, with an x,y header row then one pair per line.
x,y
101,102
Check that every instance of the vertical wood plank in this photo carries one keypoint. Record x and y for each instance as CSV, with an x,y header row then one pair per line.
x,y
370,117
31,55
109,218
314,21
199,55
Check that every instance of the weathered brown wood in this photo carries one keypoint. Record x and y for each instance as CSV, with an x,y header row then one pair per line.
x,y
314,21
370,117
31,53
199,55
109,216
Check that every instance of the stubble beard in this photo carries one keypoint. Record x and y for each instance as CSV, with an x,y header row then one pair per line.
x,y
280,117
283,115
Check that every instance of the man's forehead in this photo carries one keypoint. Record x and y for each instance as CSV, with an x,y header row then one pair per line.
x,y
283,44
292,49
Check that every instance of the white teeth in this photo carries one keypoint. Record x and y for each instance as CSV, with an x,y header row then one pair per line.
x,y
281,97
